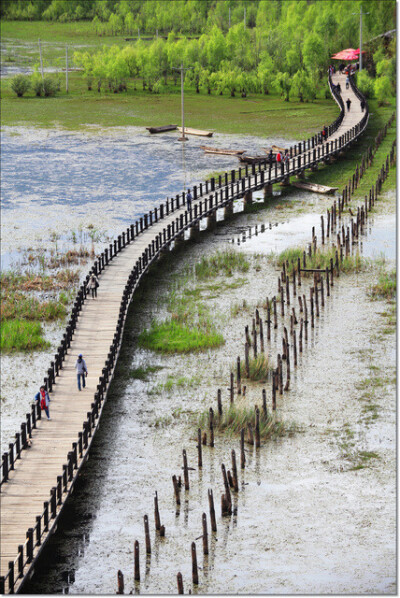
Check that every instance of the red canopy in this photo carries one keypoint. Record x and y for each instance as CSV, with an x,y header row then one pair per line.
x,y
349,54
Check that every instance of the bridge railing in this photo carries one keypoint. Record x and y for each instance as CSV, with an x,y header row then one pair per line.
x,y
210,196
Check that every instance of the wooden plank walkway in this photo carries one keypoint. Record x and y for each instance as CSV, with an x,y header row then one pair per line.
x,y
35,474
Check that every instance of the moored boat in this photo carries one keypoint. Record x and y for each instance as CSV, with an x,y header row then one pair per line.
x,y
313,187
199,132
162,129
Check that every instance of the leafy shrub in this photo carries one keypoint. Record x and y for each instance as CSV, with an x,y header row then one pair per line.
x,y
365,84
20,85
46,87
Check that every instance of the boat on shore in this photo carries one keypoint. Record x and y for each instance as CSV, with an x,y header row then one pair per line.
x,y
313,187
162,129
252,159
223,152
197,132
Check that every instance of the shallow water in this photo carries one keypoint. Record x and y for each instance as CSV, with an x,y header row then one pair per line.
x,y
304,523
296,496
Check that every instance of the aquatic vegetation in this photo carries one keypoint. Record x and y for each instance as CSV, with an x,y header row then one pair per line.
x,y
17,305
175,337
385,288
222,262
320,260
239,415
21,335
260,367
142,373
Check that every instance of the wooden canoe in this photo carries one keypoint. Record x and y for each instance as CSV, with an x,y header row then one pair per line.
x,y
276,148
197,132
252,159
313,187
224,152
162,129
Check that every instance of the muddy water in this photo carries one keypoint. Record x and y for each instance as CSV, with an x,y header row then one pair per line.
x,y
56,184
304,522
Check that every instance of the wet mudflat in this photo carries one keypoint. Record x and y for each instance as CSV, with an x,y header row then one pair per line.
x,y
306,519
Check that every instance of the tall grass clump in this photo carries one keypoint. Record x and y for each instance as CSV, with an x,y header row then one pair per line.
x,y
17,306
222,262
21,335
259,367
173,336
385,287
320,260
239,416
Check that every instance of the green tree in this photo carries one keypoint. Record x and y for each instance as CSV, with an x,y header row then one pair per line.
x,y
383,90
283,84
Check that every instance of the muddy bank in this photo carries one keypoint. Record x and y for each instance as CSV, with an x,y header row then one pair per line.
x,y
307,520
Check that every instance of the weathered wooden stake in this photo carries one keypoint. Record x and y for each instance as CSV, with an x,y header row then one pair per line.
x,y
264,402
274,387
322,292
242,453
312,307
156,513
282,304
204,439
238,381
199,450
147,530
231,387
219,402
299,272
180,583
287,291
205,534
275,314
301,336
287,369
137,567
280,374
185,470
121,585
257,428
294,349
195,574
247,359
212,511
268,321
328,292
234,472
261,337
227,489
211,426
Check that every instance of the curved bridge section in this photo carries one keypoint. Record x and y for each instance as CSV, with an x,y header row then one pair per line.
x,y
41,466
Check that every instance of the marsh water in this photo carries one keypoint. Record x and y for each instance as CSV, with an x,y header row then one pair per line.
x,y
304,520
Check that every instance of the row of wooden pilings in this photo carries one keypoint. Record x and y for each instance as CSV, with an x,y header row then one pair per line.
x,y
319,292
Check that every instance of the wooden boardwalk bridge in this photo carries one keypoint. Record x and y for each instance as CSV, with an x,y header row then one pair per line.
x,y
41,466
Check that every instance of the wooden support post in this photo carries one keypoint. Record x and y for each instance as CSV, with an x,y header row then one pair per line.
x,y
234,472
275,314
264,402
195,574
199,450
137,564
219,402
227,495
212,511
238,380
231,387
257,427
147,534
176,490
211,426
185,470
156,513
205,534
287,369
242,453
179,581
246,359
120,580
274,387
301,336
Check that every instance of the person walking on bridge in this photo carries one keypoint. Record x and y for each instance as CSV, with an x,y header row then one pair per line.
x,y
93,284
43,397
189,200
81,371
348,102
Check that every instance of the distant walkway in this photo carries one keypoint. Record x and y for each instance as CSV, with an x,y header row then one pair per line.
x,y
43,477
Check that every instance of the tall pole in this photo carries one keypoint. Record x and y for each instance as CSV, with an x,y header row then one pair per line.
x,y
66,68
360,38
183,138
41,60
361,16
